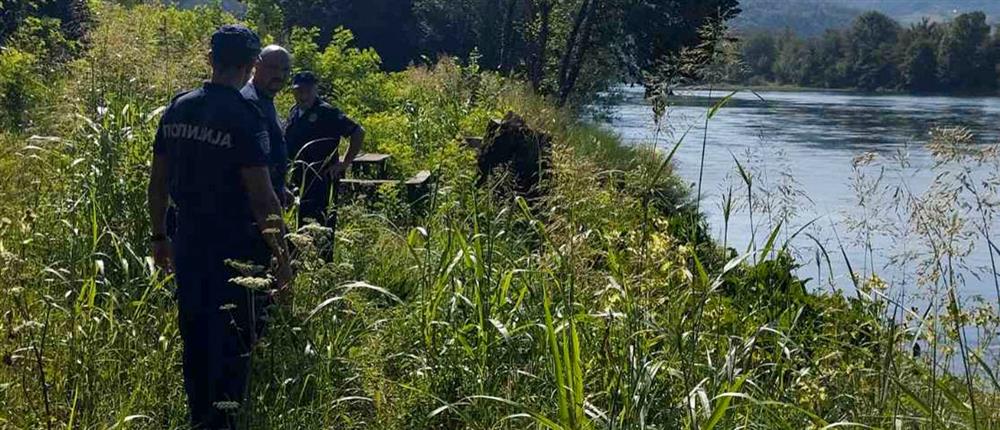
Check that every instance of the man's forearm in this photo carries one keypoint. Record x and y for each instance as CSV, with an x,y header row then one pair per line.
x,y
357,141
268,215
157,201
157,197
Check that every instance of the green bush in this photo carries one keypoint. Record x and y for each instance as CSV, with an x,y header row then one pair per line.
x,y
19,86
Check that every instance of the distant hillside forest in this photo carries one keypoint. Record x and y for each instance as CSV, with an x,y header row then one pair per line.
x,y
804,17
876,53
813,17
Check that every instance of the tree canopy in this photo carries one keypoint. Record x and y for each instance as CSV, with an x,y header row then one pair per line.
x,y
563,48
877,53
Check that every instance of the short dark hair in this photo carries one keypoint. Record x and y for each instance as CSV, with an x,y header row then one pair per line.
x,y
234,46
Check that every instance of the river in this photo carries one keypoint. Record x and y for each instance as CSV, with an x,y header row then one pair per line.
x,y
799,148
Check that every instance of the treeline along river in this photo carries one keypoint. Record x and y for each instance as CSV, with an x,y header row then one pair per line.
x,y
801,149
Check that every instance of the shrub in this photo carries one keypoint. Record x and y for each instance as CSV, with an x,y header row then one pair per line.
x,y
20,87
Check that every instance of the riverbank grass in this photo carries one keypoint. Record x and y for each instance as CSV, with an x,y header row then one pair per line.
x,y
600,305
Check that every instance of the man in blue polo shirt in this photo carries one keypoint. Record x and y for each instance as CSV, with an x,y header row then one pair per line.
x,y
269,77
210,158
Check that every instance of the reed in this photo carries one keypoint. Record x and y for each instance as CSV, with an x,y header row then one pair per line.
x,y
603,305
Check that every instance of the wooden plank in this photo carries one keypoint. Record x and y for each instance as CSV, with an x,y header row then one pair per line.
x,y
416,189
420,178
369,182
474,142
371,158
370,164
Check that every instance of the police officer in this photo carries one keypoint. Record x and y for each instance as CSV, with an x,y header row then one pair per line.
x,y
210,158
270,76
316,162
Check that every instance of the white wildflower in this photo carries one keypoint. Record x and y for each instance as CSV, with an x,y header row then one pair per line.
x,y
226,405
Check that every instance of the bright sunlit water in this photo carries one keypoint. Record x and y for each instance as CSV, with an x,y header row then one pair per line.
x,y
807,141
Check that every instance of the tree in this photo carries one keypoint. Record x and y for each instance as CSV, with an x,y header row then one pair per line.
x,y
760,53
660,29
537,32
870,48
448,26
576,46
568,48
876,53
267,19
919,56
965,56
829,52
565,48
73,15
388,26
791,64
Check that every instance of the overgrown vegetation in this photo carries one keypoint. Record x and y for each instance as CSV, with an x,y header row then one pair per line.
x,y
570,49
602,305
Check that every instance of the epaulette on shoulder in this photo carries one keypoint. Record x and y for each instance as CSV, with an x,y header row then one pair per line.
x,y
331,109
173,101
179,95
253,107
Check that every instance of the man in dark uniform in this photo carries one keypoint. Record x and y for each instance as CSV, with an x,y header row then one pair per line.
x,y
269,77
316,163
210,158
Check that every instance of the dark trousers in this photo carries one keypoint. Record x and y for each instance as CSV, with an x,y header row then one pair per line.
x,y
219,323
317,203
217,347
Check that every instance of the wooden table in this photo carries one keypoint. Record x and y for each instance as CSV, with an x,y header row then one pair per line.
x,y
370,164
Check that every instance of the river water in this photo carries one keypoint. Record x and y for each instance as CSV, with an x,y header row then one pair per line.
x,y
800,148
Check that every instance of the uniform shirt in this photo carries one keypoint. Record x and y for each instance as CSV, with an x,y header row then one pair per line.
x,y
278,157
320,121
209,135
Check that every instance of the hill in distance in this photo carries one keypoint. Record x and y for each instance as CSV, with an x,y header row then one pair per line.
x,y
812,17
234,6
907,11
804,17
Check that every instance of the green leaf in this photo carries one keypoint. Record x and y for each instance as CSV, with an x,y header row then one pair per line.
x,y
321,306
913,399
986,367
732,264
669,158
747,178
556,357
720,104
784,246
702,273
724,401
770,241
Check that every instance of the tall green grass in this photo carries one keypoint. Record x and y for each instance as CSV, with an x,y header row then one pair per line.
x,y
603,305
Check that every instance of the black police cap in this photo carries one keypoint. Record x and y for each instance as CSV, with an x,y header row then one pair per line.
x,y
235,44
303,78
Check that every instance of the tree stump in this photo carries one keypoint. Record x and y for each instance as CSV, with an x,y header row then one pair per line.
x,y
510,144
